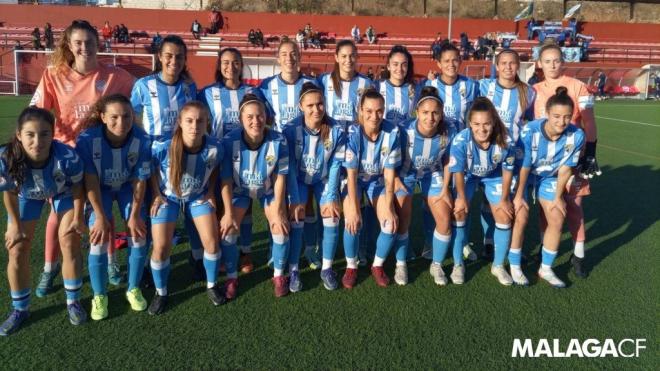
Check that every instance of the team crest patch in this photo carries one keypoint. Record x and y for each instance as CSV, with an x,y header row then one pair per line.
x,y
327,144
569,147
270,160
384,150
510,159
497,157
452,161
462,91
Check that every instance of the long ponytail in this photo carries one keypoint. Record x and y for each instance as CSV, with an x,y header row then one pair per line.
x,y
176,147
336,81
500,132
521,87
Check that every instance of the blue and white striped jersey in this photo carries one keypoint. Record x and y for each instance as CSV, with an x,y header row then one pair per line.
x,y
197,171
115,167
372,158
159,103
422,156
508,105
343,108
281,99
467,157
316,160
223,104
63,170
254,171
456,99
399,100
543,156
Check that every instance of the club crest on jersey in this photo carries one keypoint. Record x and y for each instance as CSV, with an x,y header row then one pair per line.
x,y
384,150
58,175
568,147
497,157
327,144
462,91
100,85
132,158
270,160
509,160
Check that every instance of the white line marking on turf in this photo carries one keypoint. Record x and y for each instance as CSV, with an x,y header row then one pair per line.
x,y
629,152
632,122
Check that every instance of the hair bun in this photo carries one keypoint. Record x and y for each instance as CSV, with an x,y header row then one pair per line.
x,y
561,90
428,91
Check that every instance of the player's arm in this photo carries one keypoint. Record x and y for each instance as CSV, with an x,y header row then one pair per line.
x,y
135,223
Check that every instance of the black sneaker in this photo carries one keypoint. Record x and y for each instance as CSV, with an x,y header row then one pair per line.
x,y
216,295
147,280
578,266
487,254
158,305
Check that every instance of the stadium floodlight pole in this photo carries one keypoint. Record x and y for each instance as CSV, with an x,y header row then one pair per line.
x,y
451,3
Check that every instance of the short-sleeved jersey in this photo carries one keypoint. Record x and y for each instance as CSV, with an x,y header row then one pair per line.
x,y
456,99
467,157
223,104
313,156
577,90
159,103
282,99
422,156
543,156
399,100
508,107
63,170
197,168
71,95
254,171
343,107
115,167
372,158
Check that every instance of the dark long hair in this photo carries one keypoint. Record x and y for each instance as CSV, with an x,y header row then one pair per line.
x,y
311,88
400,49
176,147
17,162
94,116
336,81
178,41
218,74
500,133
522,88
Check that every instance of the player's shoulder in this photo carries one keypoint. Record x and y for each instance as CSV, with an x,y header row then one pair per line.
x,y
160,145
462,136
63,151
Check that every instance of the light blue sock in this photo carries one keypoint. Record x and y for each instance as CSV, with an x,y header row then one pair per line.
x,y
20,300
245,237
280,251
384,244
351,242
487,222
230,255
97,264
72,289
515,257
440,246
195,243
330,238
161,273
136,258
295,244
502,241
458,241
401,247
547,257
211,262
310,238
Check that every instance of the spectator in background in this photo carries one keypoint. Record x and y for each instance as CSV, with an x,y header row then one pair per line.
x,y
300,39
436,45
370,73
371,35
48,37
260,38
252,38
384,73
18,45
115,34
536,77
215,18
36,39
106,32
155,42
123,34
314,40
355,34
308,30
656,81
196,28
600,83
530,28
466,48
573,25
506,43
